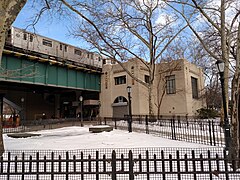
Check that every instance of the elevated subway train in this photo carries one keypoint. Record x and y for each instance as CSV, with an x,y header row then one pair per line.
x,y
53,49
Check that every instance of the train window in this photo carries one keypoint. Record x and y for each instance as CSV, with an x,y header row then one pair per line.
x,y
60,47
46,42
25,36
78,52
31,38
65,48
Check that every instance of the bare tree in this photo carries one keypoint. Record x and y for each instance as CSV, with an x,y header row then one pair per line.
x,y
201,58
218,21
123,29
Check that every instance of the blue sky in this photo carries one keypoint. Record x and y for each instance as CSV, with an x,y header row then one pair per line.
x,y
52,28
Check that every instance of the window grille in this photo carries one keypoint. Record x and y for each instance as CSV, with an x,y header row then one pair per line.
x,y
120,80
170,84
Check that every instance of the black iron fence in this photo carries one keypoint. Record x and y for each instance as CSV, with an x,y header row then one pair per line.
x,y
182,128
137,163
208,132
33,125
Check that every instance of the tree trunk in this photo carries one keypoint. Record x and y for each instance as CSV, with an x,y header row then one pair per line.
x,y
2,29
235,107
2,42
151,113
235,144
225,49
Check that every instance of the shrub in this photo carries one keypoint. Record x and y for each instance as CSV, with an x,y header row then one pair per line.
x,y
205,113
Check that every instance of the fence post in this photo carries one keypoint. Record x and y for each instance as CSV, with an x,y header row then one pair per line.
x,y
179,121
202,165
45,164
209,164
52,165
186,162
140,163
178,165
146,119
122,162
23,165
97,165
8,165
213,130
131,164
114,175
74,163
30,164
82,166
163,165
89,163
210,131
147,163
16,168
67,164
59,163
115,123
173,128
155,163
194,165
37,166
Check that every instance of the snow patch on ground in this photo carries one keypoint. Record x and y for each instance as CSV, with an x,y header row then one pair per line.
x,y
76,137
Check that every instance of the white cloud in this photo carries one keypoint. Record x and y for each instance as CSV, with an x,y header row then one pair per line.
x,y
151,3
164,18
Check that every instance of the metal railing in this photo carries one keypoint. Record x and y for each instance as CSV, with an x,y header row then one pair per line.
x,y
208,132
137,163
33,125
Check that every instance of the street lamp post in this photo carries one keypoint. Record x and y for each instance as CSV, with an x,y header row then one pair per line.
x,y
129,109
220,66
81,105
22,110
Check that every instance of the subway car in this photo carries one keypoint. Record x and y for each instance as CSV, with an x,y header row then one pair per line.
x,y
30,42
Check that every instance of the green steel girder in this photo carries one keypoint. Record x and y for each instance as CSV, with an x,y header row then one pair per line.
x,y
24,70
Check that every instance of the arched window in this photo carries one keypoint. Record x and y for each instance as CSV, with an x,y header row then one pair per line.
x,y
120,99
120,107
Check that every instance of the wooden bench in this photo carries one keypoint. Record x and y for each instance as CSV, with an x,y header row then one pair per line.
x,y
22,135
100,128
